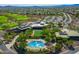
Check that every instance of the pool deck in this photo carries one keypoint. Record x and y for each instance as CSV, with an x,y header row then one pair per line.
x,y
30,40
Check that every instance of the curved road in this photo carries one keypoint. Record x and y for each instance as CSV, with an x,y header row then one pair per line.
x,y
67,19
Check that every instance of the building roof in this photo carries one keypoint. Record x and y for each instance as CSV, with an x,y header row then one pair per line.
x,y
63,36
37,25
69,33
41,24
73,33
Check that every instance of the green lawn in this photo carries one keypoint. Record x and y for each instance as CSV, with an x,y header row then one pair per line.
x,y
6,21
3,19
37,33
18,17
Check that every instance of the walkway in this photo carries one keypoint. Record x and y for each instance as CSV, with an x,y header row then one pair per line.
x,y
12,43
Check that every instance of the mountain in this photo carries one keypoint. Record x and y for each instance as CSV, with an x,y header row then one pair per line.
x,y
42,6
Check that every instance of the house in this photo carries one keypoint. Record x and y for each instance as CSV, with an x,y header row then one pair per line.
x,y
73,35
65,33
61,35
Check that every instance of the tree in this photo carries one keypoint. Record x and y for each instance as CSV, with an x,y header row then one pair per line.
x,y
8,37
22,44
47,39
22,37
58,48
69,42
1,42
21,48
60,24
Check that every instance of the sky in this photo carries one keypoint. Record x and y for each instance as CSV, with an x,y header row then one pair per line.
x,y
32,4
38,2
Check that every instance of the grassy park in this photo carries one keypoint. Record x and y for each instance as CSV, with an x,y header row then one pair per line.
x,y
38,33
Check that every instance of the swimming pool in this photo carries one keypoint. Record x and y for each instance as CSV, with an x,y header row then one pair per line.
x,y
36,44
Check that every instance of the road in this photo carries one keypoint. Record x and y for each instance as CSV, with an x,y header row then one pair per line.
x,y
67,20
77,52
65,16
6,50
71,51
70,19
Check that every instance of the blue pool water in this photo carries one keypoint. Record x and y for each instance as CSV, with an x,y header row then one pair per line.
x,y
36,44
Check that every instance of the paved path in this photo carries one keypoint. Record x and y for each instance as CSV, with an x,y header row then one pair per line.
x,y
12,43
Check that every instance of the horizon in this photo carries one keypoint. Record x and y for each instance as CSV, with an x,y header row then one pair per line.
x,y
35,4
